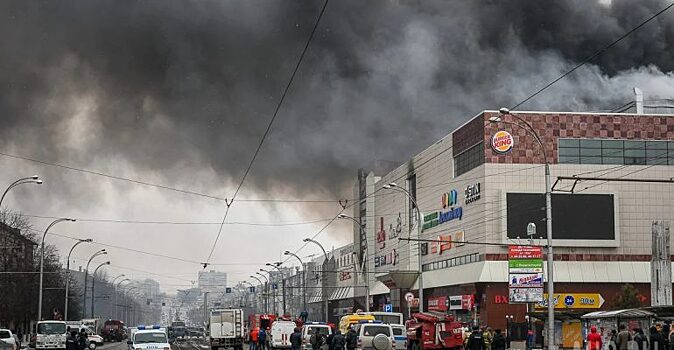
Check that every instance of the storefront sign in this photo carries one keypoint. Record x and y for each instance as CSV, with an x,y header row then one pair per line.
x,y
502,142
524,252
390,258
450,199
525,266
344,275
381,234
447,242
526,280
574,301
438,303
500,299
436,218
461,302
472,193
525,295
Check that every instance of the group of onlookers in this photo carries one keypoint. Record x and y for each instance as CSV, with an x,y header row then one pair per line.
x,y
661,337
484,339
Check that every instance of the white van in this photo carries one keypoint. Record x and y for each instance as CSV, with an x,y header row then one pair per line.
x,y
320,328
280,334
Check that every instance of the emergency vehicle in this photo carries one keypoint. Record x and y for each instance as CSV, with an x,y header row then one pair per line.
x,y
349,320
320,328
143,338
433,330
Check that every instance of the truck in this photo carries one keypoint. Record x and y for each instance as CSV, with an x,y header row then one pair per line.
x,y
225,329
51,335
95,324
433,330
113,330
178,330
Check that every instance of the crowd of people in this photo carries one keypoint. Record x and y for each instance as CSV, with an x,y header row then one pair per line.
x,y
259,338
77,340
660,337
484,339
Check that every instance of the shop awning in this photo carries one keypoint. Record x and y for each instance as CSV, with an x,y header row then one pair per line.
x,y
398,279
342,293
316,297
627,313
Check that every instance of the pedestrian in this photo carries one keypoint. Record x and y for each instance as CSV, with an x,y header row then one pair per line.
x,y
498,342
316,340
331,337
594,339
665,334
487,336
657,339
351,339
262,339
296,339
640,339
83,339
72,343
670,338
613,340
304,315
624,338
254,338
476,340
338,341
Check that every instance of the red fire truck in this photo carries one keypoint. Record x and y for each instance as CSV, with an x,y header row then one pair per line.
x,y
433,330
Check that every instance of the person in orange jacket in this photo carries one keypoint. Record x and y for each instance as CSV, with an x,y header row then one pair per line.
x,y
594,339
254,338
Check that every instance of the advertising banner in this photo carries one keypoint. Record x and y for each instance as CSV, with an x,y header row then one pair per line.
x,y
438,303
526,266
525,295
524,280
524,252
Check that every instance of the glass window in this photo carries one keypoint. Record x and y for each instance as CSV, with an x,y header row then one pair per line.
x,y
634,144
569,151
612,152
569,160
635,152
613,160
590,160
635,160
590,152
569,142
656,144
469,159
656,156
671,145
612,144
590,143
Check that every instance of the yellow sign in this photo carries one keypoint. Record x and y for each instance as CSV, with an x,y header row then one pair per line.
x,y
574,301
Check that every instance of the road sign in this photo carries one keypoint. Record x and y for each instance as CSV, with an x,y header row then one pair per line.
x,y
409,296
388,307
228,290
274,286
574,301
252,289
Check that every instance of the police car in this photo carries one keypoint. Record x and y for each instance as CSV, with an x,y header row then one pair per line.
x,y
152,338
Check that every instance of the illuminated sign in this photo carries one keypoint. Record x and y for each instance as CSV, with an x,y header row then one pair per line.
x,y
446,242
502,142
472,193
449,199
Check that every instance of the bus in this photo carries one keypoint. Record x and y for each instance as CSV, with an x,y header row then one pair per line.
x,y
387,317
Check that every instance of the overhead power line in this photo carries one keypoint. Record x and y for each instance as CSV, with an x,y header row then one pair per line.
x,y
151,222
266,132
593,56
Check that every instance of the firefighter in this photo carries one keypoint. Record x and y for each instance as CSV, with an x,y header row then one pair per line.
x,y
476,340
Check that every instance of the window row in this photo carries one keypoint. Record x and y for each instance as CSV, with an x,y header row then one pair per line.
x,y
469,159
622,152
459,260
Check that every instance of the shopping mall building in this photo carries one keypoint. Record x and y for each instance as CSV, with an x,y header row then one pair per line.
x,y
477,193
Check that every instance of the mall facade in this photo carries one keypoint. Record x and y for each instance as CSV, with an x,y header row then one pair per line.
x,y
478,189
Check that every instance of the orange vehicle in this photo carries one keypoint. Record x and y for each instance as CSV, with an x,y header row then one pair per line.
x,y
433,330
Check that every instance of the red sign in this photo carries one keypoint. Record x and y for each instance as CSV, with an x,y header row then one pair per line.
x,y
438,303
467,302
524,252
344,275
500,299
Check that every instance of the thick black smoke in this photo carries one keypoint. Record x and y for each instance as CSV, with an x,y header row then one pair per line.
x,y
172,86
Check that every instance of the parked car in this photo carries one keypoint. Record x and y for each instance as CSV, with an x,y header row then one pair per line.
x,y
400,335
7,337
375,335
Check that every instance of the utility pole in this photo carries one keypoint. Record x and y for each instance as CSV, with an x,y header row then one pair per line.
x,y
661,265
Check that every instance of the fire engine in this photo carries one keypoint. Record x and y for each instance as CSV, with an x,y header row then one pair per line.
x,y
433,330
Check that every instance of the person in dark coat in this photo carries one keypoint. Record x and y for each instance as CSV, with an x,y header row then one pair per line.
x,y
72,342
296,339
640,339
476,340
331,337
657,339
351,339
498,342
338,341
83,339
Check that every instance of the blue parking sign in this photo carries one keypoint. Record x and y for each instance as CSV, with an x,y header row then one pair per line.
x,y
388,307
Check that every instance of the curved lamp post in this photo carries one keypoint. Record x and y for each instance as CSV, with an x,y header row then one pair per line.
x,y
304,278
366,276
65,307
26,180
420,280
548,214
261,288
325,296
93,285
86,275
39,299
116,300
273,291
283,283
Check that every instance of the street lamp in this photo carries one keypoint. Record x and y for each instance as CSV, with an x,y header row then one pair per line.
x,y
548,216
86,275
420,280
266,309
325,296
65,307
93,285
304,278
116,301
129,309
366,276
26,180
39,302
273,291
283,282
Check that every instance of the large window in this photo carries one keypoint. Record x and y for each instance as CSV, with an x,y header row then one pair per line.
x,y
623,152
469,159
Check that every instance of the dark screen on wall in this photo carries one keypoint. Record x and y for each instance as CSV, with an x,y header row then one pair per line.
x,y
574,216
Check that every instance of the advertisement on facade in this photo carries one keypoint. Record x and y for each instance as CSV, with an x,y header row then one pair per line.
x,y
524,280
525,295
447,242
450,212
390,258
525,274
452,302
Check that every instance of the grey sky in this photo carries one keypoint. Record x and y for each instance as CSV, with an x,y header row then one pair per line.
x,y
179,93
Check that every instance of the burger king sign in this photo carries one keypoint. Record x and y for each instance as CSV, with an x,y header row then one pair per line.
x,y
502,142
